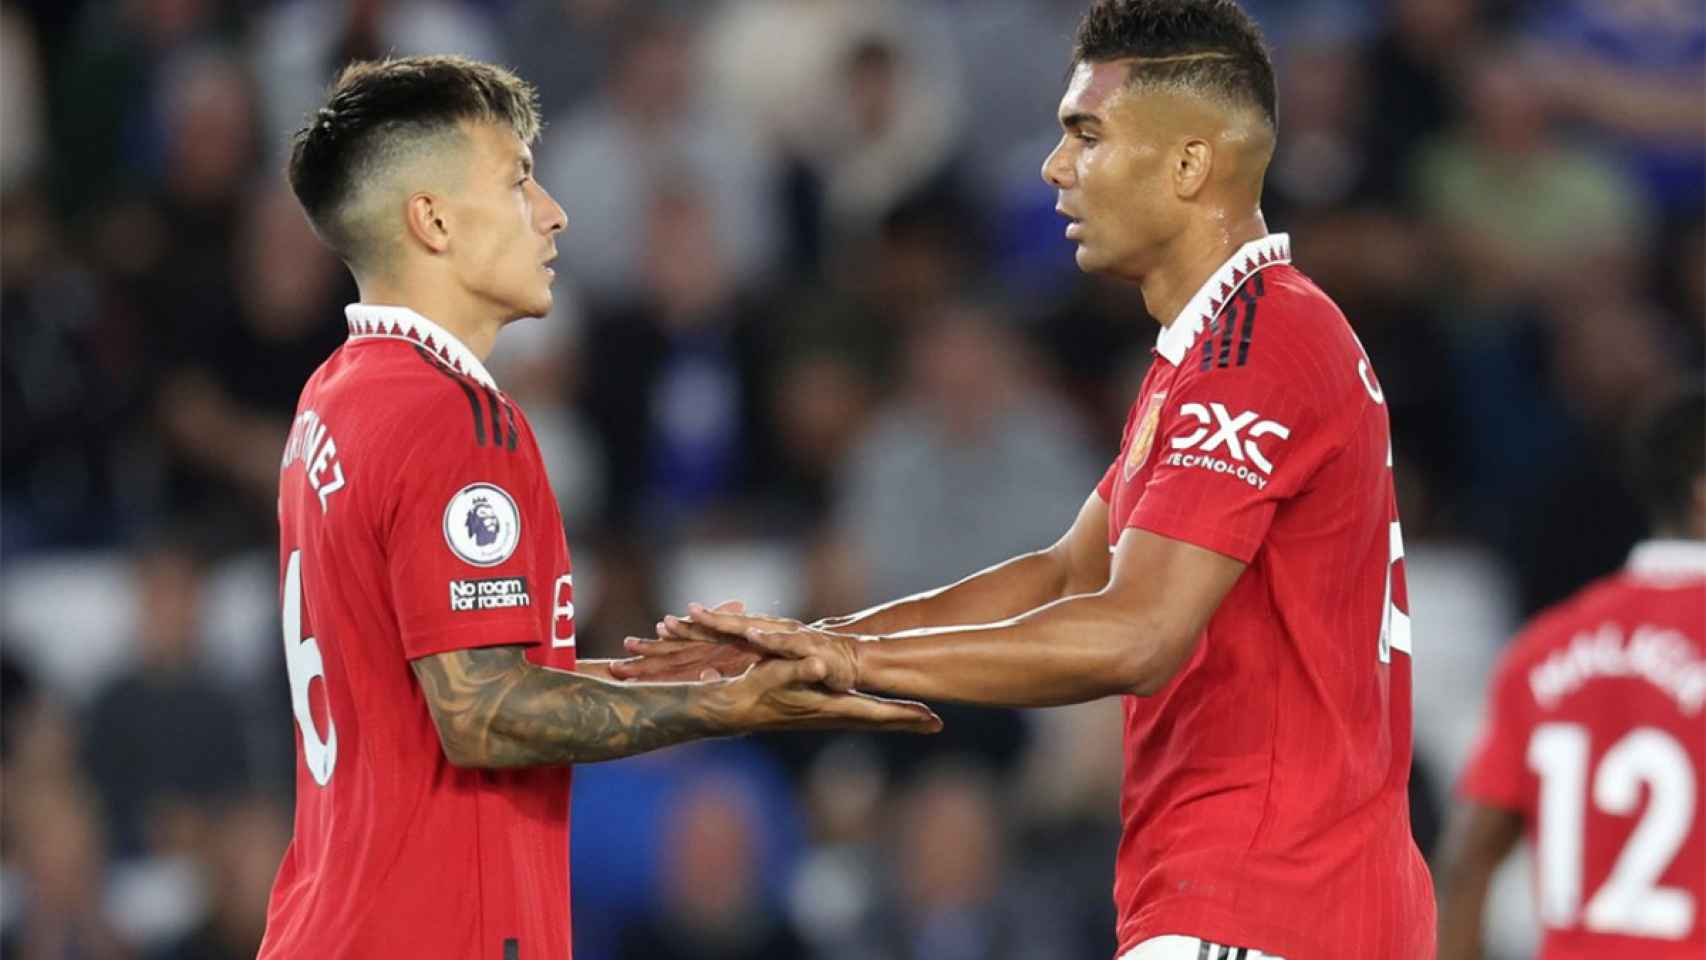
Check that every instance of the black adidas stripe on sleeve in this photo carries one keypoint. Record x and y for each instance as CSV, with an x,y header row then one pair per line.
x,y
467,391
1236,322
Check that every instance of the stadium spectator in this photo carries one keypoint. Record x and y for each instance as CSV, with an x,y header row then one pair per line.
x,y
972,436
299,45
650,128
21,113
238,854
566,46
678,397
228,393
713,885
951,888
164,741
54,833
1632,71
1519,207
1414,61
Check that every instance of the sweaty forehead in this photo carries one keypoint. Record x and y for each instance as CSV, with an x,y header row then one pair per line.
x,y
1093,86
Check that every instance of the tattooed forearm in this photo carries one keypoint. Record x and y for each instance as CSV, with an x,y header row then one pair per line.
x,y
494,709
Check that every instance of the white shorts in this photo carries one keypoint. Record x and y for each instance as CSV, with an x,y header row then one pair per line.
x,y
1172,947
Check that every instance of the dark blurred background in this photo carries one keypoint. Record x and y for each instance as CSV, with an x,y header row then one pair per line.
x,y
819,343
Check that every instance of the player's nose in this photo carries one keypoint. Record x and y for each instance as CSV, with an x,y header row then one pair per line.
x,y
1057,171
555,218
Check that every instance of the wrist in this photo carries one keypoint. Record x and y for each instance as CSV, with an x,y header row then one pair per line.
x,y
720,713
858,645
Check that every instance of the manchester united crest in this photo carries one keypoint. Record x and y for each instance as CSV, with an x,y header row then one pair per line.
x,y
1145,436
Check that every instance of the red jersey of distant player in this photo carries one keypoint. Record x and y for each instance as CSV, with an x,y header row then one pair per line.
x,y
1265,795
414,518
1595,735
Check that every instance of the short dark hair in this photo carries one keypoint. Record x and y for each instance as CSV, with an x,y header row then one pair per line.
x,y
377,106
1668,455
1210,46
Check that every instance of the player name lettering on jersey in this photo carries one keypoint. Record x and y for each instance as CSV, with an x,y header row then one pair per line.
x,y
493,593
312,445
1664,658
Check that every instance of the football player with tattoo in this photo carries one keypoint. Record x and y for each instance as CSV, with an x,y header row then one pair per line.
x,y
428,603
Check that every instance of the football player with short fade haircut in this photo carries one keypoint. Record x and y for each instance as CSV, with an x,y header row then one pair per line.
x,y
428,603
1595,739
1237,575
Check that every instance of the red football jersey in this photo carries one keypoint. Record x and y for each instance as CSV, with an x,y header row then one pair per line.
x,y
1595,735
1264,802
414,519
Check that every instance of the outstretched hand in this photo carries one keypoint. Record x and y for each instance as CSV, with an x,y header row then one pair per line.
x,y
788,639
788,695
684,651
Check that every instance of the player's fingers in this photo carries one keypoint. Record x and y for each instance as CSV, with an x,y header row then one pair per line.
x,y
727,606
864,710
653,647
733,624
680,628
647,668
667,660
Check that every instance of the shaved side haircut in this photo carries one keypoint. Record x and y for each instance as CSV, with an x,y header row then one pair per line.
x,y
382,115
1210,48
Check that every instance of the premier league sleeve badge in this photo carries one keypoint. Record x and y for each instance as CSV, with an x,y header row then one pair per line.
x,y
482,524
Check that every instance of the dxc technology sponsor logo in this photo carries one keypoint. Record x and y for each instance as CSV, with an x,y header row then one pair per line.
x,y
1243,459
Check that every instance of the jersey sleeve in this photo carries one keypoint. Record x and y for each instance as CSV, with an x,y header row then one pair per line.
x,y
1497,773
459,566
1231,444
1111,476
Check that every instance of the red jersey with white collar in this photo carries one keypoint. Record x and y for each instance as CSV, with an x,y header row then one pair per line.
x,y
1265,801
1595,735
414,518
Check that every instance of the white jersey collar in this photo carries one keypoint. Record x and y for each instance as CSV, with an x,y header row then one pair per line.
x,y
372,321
1176,339
1668,560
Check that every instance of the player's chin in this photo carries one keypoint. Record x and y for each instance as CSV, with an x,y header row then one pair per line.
x,y
1087,258
540,304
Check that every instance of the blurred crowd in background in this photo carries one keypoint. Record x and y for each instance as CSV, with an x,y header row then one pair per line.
x,y
819,342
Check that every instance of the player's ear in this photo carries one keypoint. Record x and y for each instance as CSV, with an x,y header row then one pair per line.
x,y
424,215
1192,166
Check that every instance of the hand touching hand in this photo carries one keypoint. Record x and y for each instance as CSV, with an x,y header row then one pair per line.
x,y
790,639
685,651
787,695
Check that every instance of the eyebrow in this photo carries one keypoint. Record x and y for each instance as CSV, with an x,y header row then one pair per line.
x,y
1072,120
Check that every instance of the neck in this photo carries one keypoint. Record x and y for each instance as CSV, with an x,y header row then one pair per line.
x,y
471,321
1193,258
1693,529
